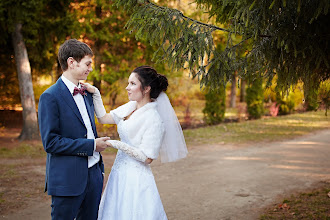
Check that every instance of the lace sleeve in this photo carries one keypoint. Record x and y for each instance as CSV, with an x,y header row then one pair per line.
x,y
98,104
129,150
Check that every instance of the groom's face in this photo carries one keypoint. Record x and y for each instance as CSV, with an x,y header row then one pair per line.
x,y
81,69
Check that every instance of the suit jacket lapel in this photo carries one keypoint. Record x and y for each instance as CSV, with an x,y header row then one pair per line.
x,y
67,97
90,114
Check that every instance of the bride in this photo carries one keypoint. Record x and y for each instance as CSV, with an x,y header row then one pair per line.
x,y
148,127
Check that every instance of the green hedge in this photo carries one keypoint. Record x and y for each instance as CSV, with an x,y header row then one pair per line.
x,y
254,99
215,105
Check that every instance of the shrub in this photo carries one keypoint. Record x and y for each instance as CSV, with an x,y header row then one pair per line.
x,y
254,99
286,102
215,105
324,95
284,109
311,94
311,103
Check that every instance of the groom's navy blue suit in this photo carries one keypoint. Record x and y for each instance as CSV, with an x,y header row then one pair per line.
x,y
64,137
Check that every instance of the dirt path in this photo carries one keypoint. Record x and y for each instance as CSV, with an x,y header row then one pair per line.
x,y
228,182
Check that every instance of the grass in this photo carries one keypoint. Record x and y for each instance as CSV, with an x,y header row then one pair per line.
x,y
1,199
26,150
313,204
263,130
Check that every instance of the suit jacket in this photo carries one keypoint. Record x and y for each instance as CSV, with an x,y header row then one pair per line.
x,y
64,137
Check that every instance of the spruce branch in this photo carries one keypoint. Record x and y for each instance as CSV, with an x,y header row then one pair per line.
x,y
190,19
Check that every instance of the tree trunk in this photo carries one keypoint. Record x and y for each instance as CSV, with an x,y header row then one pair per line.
x,y
233,92
243,91
30,122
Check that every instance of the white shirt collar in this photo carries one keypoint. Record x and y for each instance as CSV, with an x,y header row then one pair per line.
x,y
69,84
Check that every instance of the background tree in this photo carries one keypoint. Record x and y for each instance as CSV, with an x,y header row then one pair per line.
x,y
26,28
30,126
233,91
14,14
287,38
116,51
242,90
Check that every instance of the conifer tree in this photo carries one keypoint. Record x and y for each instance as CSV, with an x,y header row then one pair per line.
x,y
286,38
116,52
215,105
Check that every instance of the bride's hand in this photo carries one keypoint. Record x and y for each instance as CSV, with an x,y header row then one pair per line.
x,y
109,144
89,87
148,161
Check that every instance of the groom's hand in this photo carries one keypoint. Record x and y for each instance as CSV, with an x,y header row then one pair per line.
x,y
101,145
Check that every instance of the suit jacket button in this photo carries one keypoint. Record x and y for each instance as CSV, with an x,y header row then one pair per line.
x,y
85,135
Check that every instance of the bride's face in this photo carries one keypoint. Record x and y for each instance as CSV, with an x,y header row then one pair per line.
x,y
134,88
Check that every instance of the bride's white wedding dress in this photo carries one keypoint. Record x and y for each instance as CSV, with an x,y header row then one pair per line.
x,y
131,192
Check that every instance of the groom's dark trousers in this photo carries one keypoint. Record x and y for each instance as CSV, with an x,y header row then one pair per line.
x,y
75,188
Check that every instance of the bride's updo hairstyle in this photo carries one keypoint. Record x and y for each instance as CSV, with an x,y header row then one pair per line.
x,y
148,76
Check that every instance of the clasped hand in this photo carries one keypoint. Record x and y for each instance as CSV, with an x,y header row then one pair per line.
x,y
102,144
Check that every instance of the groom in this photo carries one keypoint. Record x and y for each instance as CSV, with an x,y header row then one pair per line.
x,y
74,167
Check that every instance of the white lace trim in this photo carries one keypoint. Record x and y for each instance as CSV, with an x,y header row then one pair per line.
x,y
129,150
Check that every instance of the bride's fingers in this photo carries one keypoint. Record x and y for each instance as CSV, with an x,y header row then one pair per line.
x,y
85,84
89,87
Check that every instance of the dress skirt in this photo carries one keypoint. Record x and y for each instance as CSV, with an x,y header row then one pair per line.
x,y
131,192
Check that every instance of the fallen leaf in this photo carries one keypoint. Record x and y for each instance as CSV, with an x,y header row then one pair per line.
x,y
284,206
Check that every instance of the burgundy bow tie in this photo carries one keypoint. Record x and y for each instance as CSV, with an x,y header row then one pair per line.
x,y
81,90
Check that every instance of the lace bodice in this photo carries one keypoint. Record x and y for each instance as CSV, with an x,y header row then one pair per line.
x,y
125,160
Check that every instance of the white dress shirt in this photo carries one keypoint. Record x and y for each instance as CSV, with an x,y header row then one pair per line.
x,y
79,99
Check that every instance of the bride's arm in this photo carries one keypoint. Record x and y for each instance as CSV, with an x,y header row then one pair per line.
x,y
129,150
102,116
150,144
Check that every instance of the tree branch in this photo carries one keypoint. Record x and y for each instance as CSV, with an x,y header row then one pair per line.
x,y
190,19
199,22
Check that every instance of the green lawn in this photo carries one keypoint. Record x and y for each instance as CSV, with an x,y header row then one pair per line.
x,y
266,129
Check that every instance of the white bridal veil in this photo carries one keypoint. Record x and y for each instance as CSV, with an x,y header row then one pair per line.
x,y
174,146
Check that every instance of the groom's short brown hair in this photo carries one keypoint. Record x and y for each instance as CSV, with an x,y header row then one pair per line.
x,y
75,49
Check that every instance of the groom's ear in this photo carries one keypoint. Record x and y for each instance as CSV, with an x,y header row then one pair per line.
x,y
70,61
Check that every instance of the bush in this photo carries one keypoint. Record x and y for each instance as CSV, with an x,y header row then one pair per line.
x,y
284,109
215,105
311,103
311,94
254,99
324,95
286,102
